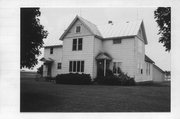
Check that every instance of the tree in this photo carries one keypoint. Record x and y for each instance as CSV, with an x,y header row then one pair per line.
x,y
32,34
163,19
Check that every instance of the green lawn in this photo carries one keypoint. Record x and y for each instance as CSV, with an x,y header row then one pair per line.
x,y
38,96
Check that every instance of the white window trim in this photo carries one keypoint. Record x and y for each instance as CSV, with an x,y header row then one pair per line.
x,y
77,45
76,66
58,66
76,28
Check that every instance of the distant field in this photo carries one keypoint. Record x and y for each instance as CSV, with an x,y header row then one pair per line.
x,y
40,96
27,75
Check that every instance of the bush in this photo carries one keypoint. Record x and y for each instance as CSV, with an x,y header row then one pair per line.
x,y
49,79
121,79
73,78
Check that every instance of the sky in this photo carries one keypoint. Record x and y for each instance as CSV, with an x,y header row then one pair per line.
x,y
56,20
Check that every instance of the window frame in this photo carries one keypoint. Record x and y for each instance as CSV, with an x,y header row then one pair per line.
x,y
51,50
77,45
59,65
117,39
76,30
74,63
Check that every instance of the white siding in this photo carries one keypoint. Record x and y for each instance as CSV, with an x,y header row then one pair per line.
x,y
84,31
57,57
123,52
139,60
148,77
97,49
86,54
157,74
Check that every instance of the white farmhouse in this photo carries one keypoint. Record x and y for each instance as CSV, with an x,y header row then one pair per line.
x,y
94,50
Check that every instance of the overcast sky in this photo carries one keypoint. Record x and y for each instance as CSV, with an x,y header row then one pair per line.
x,y
56,20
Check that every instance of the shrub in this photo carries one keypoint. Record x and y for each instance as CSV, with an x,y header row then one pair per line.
x,y
121,79
73,78
49,79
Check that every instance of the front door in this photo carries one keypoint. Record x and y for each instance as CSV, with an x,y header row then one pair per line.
x,y
100,68
49,70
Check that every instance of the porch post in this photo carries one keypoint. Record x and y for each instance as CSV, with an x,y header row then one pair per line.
x,y
104,67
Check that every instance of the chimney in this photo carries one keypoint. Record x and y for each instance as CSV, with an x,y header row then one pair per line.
x,y
110,22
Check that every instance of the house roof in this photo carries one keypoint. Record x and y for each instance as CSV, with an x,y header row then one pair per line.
x,y
91,26
103,56
110,31
158,68
47,60
147,59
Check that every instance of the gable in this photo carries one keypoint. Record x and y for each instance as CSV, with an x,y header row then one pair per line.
x,y
141,33
83,30
88,28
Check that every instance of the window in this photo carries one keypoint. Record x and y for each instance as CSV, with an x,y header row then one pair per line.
x,y
70,66
116,67
74,44
77,44
140,68
51,50
59,66
80,44
76,66
117,41
78,29
147,69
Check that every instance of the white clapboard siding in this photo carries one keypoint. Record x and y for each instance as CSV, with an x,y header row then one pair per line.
x,y
97,49
57,57
84,31
158,74
86,54
139,57
123,52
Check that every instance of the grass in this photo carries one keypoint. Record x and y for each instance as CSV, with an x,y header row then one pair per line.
x,y
39,96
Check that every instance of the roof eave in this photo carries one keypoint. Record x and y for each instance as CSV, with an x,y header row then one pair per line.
x,y
131,36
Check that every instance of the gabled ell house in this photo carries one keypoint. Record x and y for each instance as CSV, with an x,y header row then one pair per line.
x,y
94,50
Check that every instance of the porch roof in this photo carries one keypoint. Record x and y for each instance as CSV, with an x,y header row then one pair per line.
x,y
47,60
103,56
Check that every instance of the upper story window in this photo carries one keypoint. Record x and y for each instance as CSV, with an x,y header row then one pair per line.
x,y
117,41
77,44
59,66
78,29
51,50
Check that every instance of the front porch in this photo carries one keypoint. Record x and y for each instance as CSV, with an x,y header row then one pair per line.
x,y
47,72
103,64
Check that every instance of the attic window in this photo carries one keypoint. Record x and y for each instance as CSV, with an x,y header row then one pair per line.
x,y
117,41
78,29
